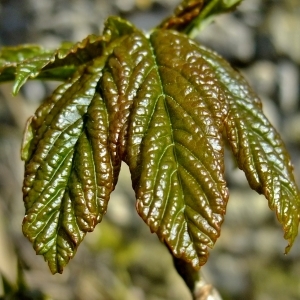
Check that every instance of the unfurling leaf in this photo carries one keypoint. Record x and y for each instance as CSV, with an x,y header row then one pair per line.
x,y
10,57
183,15
208,12
162,104
191,16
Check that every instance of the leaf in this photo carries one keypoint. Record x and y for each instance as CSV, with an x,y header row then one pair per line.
x,y
183,15
258,148
191,16
27,139
61,63
70,170
28,62
57,211
120,82
161,103
27,58
15,54
39,123
210,9
175,148
10,57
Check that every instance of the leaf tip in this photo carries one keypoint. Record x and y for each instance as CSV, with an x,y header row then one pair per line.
x,y
290,244
27,138
16,87
287,249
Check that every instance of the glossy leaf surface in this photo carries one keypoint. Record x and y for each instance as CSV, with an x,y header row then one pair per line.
x,y
180,189
11,57
23,62
258,148
29,62
161,103
54,176
68,172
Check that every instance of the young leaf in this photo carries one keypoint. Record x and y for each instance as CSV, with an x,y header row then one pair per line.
x,y
27,139
175,148
57,212
23,62
183,15
10,57
69,170
258,148
120,82
29,62
191,16
210,9
59,64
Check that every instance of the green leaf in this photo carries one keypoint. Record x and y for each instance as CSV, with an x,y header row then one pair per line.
x,y
59,64
70,169
175,147
116,27
10,57
58,210
25,61
40,122
210,10
14,54
27,139
28,62
258,148
192,16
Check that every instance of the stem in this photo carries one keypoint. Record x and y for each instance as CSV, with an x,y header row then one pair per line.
x,y
199,288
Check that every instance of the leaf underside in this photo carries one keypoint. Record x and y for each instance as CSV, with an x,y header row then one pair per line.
x,y
160,103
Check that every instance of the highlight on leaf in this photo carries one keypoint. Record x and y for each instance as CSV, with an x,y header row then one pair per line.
x,y
49,187
59,64
69,172
11,57
34,62
180,188
258,148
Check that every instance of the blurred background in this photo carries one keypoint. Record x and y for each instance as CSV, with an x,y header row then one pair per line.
x,y
121,260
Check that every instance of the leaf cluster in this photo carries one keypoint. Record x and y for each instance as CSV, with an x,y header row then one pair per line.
x,y
164,105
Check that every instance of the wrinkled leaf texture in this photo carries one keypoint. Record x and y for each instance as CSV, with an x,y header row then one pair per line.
x,y
161,103
191,16
24,62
